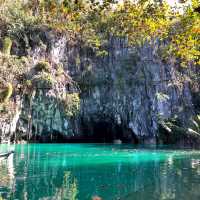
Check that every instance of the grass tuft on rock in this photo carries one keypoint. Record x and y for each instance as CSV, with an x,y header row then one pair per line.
x,y
42,66
72,104
6,93
7,44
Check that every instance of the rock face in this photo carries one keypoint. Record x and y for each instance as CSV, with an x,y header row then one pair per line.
x,y
123,94
43,114
133,94
8,128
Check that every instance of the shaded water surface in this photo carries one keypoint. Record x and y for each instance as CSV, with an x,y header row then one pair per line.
x,y
81,171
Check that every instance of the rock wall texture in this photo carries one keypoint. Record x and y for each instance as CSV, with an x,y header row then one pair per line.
x,y
123,94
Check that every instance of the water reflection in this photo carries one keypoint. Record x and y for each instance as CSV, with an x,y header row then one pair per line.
x,y
69,189
7,178
80,172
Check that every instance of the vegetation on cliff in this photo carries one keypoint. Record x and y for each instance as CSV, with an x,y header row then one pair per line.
x,y
94,22
173,34
12,76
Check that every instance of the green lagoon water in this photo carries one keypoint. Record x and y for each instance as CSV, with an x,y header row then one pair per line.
x,y
113,172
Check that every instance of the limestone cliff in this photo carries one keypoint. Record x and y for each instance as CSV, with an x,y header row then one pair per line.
x,y
123,94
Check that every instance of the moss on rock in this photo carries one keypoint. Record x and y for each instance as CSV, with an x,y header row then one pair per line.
x,y
42,66
6,93
72,104
43,80
7,44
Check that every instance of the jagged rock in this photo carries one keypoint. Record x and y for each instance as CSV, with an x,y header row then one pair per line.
x,y
122,95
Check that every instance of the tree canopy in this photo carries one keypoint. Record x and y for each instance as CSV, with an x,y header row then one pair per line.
x,y
94,22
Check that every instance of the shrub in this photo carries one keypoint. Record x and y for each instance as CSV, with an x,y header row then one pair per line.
x,y
43,80
72,104
195,125
28,83
171,130
7,44
59,69
43,66
6,93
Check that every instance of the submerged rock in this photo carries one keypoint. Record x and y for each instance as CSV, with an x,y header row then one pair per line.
x,y
96,198
117,142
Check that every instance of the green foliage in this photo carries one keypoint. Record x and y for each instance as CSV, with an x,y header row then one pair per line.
x,y
17,17
43,80
72,104
172,130
184,36
195,125
6,93
7,44
42,66
12,67
59,69
94,23
12,73
101,53
28,83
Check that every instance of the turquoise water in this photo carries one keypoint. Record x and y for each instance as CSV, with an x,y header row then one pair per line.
x,y
112,172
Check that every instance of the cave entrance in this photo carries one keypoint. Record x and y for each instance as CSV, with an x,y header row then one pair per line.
x,y
107,132
92,132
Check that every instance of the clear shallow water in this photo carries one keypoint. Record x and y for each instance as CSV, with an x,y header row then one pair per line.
x,y
80,171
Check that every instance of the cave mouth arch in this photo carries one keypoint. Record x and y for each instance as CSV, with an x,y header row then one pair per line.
x,y
106,132
91,131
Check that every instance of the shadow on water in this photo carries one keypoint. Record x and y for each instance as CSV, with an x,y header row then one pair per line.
x,y
81,171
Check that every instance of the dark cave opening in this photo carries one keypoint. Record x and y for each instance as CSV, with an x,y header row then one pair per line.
x,y
107,132
91,131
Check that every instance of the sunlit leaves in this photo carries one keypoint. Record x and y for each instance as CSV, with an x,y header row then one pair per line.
x,y
185,38
94,22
